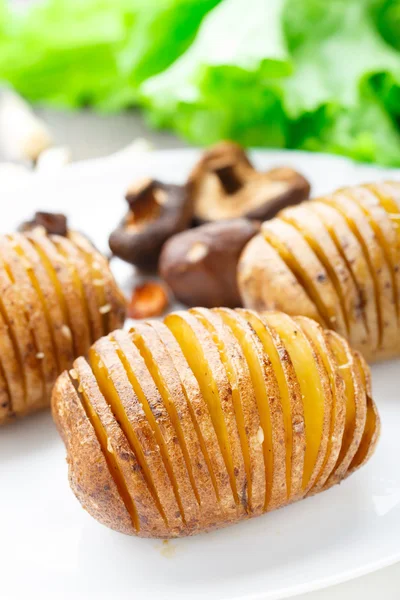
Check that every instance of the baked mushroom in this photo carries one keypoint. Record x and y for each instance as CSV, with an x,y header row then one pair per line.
x,y
156,212
53,223
200,264
225,185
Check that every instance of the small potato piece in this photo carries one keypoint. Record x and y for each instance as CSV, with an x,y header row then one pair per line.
x,y
210,418
200,264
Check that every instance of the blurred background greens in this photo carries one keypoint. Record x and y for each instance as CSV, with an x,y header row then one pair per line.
x,y
319,75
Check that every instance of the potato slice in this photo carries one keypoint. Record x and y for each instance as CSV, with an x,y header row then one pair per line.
x,y
203,358
15,315
80,304
39,322
90,477
350,249
355,405
372,428
64,352
320,343
375,258
312,228
272,431
315,390
165,433
166,378
202,422
115,363
267,283
311,273
385,233
5,396
111,301
244,402
61,276
84,285
292,404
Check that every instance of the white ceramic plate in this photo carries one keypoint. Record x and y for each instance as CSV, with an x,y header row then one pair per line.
x,y
50,548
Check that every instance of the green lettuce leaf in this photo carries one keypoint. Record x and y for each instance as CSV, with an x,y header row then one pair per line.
x,y
71,53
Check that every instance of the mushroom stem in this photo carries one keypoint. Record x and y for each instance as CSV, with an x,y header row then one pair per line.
x,y
229,177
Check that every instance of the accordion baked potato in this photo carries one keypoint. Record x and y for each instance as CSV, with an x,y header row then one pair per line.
x,y
335,259
212,417
57,296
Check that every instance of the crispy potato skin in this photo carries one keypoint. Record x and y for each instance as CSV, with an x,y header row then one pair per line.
x,y
336,260
182,427
57,297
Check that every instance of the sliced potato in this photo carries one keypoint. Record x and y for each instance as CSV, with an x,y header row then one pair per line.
x,y
292,403
114,364
166,378
356,408
244,402
385,233
45,288
307,268
203,358
15,315
111,301
267,283
202,422
272,430
311,226
213,417
91,475
372,428
39,323
384,295
315,390
320,343
351,251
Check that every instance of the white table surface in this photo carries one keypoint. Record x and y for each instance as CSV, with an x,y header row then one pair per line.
x,y
90,136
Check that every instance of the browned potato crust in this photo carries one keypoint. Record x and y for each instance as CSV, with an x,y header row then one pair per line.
x,y
210,418
335,259
49,314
